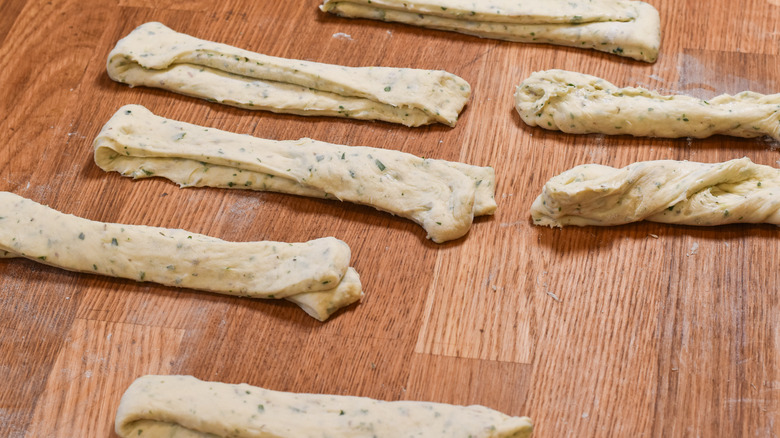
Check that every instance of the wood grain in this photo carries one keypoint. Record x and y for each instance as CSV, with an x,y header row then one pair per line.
x,y
590,331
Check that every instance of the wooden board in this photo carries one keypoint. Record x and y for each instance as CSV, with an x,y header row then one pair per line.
x,y
675,335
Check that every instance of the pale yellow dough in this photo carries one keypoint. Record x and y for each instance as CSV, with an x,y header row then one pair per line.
x,y
580,104
625,28
315,274
183,406
442,196
674,192
153,55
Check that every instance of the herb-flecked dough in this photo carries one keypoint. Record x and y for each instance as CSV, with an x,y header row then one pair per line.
x,y
153,55
315,274
442,196
165,406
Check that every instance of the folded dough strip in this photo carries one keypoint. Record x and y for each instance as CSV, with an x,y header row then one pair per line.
x,y
674,192
314,274
625,28
577,103
153,55
443,197
164,406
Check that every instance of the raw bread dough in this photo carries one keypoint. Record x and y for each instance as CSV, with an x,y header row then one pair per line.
x,y
441,196
183,406
314,274
625,28
674,192
155,56
579,104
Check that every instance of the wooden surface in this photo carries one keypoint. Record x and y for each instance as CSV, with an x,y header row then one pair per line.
x,y
670,336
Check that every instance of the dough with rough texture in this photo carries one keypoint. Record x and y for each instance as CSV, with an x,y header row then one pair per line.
x,y
625,28
581,104
673,192
183,406
315,274
442,196
153,55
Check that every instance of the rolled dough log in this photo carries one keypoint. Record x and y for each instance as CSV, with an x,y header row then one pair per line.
x,y
183,406
443,197
673,192
580,104
315,274
625,28
153,55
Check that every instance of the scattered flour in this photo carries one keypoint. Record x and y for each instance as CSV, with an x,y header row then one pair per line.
x,y
342,35
553,296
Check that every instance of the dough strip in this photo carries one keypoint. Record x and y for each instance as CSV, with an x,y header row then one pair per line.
x,y
153,55
442,196
315,274
577,103
165,406
624,28
673,192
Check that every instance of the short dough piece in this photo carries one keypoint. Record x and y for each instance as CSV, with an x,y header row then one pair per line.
x,y
155,56
674,192
441,196
315,274
580,104
183,406
623,27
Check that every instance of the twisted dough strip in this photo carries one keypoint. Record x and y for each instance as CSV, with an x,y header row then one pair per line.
x,y
153,55
442,196
581,104
675,192
314,275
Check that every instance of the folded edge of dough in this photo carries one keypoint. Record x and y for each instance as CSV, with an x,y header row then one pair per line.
x,y
159,406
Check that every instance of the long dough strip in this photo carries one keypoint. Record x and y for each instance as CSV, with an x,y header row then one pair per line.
x,y
674,192
153,55
625,28
443,197
183,406
313,274
580,104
